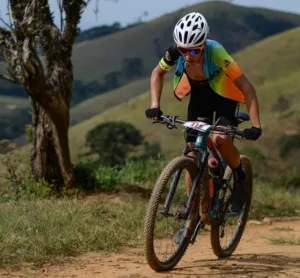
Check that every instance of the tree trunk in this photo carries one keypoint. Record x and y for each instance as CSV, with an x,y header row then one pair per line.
x,y
50,158
48,83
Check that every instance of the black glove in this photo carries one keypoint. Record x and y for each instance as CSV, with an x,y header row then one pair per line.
x,y
153,113
252,133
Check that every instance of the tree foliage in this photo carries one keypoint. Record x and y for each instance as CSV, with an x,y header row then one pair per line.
x,y
113,141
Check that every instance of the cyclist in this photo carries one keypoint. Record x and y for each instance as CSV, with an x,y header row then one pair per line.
x,y
215,83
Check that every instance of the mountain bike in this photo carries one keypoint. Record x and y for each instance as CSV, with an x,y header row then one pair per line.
x,y
207,203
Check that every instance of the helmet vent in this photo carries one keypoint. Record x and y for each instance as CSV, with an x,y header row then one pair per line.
x,y
182,25
180,37
189,23
187,17
195,27
202,25
200,39
186,33
191,38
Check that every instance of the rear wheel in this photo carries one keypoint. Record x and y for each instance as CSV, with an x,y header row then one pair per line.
x,y
163,250
226,234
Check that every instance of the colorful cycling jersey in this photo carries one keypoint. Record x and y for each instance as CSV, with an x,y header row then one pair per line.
x,y
219,68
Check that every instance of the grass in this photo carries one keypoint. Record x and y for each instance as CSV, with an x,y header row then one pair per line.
x,y
282,229
281,240
48,230
55,229
271,201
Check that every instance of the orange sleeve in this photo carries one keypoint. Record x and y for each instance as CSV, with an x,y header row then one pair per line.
x,y
222,59
233,71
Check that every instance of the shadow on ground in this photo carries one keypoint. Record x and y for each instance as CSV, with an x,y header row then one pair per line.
x,y
248,265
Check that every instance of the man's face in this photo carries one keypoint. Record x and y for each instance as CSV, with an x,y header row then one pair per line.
x,y
191,55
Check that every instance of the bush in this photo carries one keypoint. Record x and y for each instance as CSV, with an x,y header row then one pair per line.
x,y
288,142
91,176
287,181
22,183
113,141
282,104
141,171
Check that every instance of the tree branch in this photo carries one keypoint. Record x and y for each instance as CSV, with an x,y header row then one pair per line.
x,y
24,65
4,22
61,11
8,78
73,10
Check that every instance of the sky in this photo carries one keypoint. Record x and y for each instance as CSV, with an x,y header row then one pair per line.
x,y
128,11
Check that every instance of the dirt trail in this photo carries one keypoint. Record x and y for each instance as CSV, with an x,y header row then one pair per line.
x,y
254,257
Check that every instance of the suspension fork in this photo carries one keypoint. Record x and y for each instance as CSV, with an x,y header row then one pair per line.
x,y
171,192
173,185
201,160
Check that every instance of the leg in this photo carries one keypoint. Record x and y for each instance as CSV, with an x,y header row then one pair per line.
x,y
227,113
228,151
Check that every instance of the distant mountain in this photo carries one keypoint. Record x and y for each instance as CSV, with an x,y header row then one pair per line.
x,y
234,26
103,30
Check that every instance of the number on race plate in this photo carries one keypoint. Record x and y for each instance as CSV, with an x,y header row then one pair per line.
x,y
201,126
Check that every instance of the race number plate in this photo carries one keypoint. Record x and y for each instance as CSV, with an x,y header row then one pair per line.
x,y
197,125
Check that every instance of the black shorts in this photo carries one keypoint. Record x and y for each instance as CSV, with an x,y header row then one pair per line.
x,y
204,102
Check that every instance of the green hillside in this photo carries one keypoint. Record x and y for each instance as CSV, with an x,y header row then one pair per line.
x,y
96,105
235,26
14,115
273,66
149,40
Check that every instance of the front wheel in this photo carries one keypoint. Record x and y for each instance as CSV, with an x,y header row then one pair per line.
x,y
167,233
226,235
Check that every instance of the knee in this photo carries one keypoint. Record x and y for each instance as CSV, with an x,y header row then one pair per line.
x,y
221,140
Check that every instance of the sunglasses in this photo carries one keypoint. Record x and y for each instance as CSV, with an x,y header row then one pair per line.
x,y
193,51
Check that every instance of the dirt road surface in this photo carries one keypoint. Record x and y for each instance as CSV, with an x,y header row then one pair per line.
x,y
255,256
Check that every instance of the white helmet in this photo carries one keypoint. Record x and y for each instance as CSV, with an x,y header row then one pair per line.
x,y
191,30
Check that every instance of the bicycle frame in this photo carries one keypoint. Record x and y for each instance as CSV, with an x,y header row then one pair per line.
x,y
204,146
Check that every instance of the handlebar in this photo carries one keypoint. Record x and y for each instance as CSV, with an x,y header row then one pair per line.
x,y
170,122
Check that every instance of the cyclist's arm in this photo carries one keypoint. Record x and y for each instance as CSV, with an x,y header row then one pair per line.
x,y
157,82
158,73
251,99
234,72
